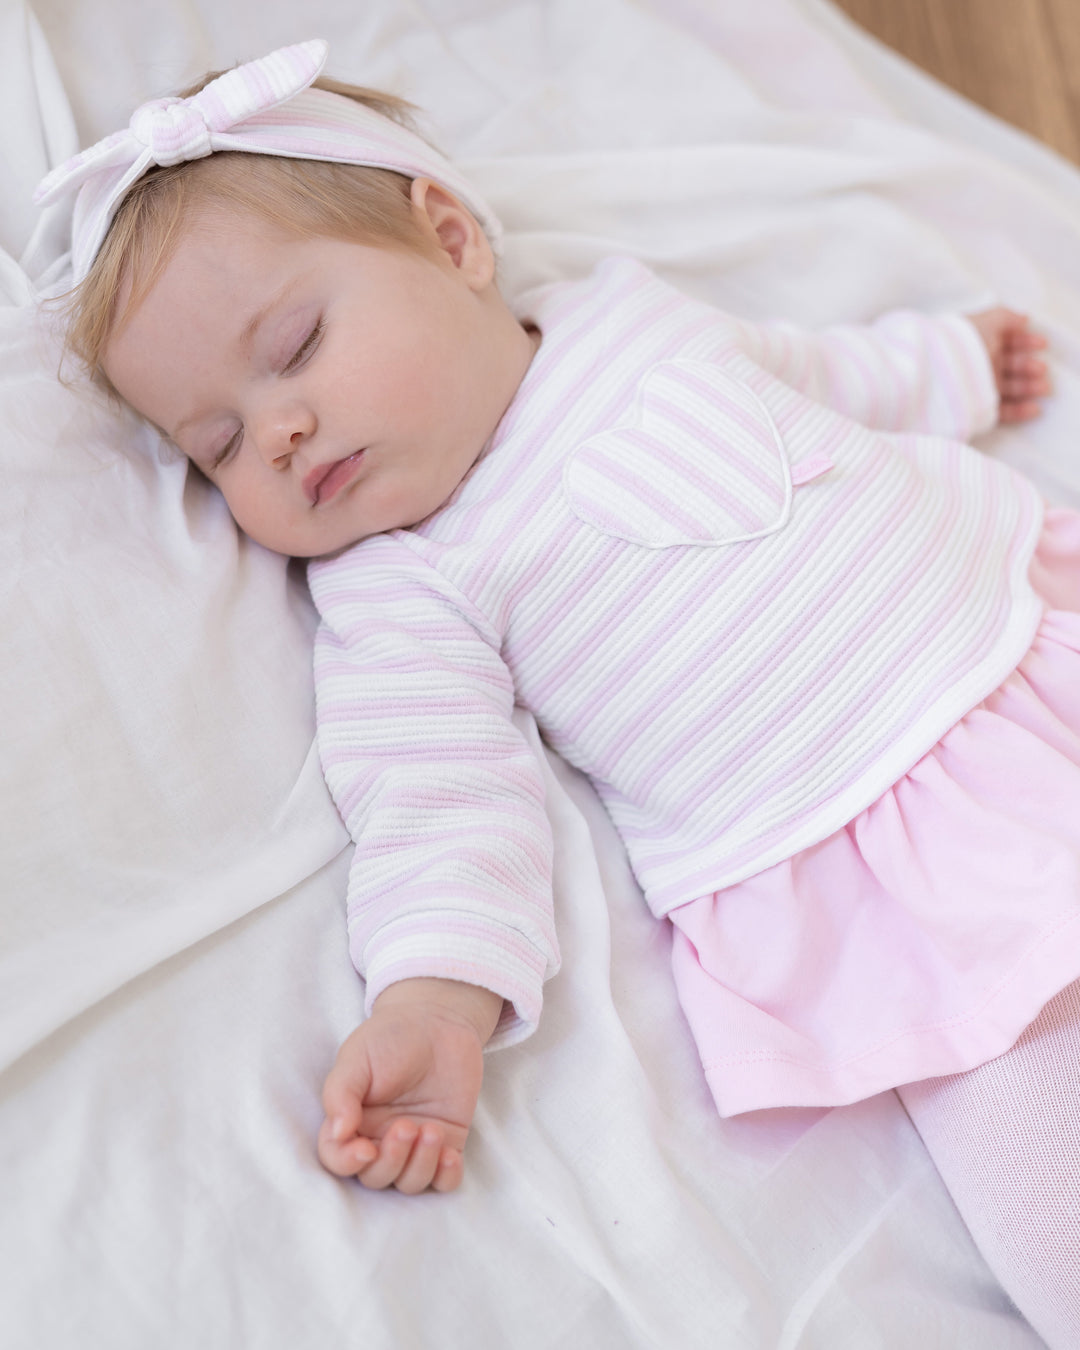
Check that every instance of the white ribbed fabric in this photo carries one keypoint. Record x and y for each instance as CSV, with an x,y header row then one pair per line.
x,y
845,598
1006,1139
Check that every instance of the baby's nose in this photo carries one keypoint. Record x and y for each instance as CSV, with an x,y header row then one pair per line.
x,y
284,431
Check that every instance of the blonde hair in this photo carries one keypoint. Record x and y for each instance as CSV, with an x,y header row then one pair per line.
x,y
305,197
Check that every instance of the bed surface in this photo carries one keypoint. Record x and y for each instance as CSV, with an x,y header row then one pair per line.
x,y
174,978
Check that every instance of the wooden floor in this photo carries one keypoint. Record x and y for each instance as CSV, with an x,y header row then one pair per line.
x,y
1019,58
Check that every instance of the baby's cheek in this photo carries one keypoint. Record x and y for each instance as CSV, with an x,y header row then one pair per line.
x,y
260,513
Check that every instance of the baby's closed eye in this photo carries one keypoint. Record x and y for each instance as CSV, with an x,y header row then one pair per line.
x,y
306,348
227,450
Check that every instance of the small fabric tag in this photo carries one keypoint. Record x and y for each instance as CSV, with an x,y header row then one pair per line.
x,y
810,468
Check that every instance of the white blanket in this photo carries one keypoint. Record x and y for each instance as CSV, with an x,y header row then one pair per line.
x,y
173,970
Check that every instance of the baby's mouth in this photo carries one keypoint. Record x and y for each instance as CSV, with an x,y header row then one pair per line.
x,y
326,481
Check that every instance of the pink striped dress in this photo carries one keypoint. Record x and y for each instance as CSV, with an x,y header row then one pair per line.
x,y
747,617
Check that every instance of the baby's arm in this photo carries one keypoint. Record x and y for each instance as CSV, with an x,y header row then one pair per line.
x,y
911,372
450,889
400,1098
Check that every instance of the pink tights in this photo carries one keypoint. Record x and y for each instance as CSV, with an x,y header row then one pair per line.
x,y
1006,1139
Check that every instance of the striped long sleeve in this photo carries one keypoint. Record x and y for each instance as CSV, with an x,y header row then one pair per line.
x,y
452,871
906,372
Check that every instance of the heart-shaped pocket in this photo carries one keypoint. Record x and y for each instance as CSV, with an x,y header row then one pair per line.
x,y
699,462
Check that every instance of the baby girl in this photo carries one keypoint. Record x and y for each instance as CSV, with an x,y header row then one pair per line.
x,y
819,658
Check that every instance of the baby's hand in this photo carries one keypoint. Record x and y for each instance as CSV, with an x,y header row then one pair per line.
x,y
1022,377
401,1095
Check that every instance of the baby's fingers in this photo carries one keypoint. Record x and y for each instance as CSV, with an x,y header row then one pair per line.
x,y
1020,411
395,1148
1016,388
450,1170
347,1156
414,1157
1020,338
1016,364
1024,382
425,1161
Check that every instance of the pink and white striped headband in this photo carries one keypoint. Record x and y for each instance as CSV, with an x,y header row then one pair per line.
x,y
266,108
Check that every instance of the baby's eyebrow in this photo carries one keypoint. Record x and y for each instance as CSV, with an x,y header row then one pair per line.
x,y
247,333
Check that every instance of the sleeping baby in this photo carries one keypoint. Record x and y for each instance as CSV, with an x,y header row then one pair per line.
x,y
752,581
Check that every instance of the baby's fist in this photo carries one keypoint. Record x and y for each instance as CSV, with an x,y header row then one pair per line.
x,y
401,1095
1022,377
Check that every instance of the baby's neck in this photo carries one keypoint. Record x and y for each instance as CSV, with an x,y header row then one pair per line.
x,y
512,349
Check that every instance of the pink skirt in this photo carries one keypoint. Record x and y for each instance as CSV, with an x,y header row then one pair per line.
x,y
923,937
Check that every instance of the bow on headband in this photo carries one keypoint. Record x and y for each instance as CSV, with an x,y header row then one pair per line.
x,y
265,107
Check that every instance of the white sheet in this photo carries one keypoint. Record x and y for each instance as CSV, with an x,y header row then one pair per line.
x,y
173,974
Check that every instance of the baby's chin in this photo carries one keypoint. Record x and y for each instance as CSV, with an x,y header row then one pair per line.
x,y
309,552
308,539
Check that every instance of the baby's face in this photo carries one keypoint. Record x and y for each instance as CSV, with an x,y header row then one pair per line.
x,y
331,390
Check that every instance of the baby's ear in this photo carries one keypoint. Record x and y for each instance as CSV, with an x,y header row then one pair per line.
x,y
455,230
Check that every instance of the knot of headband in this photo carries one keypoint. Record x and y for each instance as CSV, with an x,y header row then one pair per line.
x,y
265,107
173,130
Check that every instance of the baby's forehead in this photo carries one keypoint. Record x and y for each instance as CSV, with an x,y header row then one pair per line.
x,y
215,251
220,266
224,195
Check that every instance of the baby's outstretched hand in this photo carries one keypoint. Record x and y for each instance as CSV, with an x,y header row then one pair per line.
x,y
401,1095
1022,376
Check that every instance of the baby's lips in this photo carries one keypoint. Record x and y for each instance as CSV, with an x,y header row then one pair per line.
x,y
313,481
326,479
